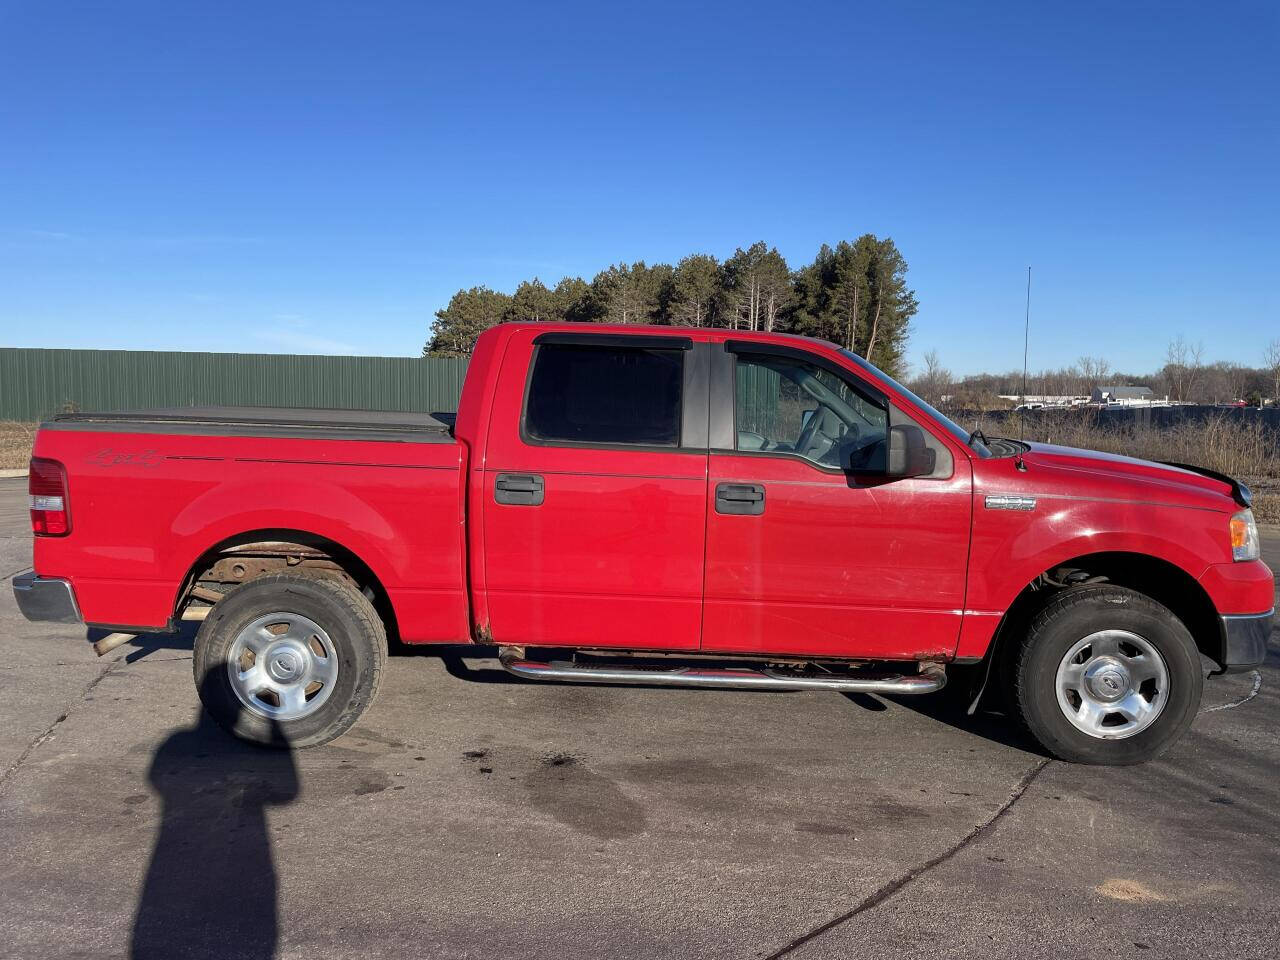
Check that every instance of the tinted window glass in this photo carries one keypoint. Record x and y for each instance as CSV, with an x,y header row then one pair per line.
x,y
614,395
784,405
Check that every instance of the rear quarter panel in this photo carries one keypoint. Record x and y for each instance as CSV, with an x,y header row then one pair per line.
x,y
145,507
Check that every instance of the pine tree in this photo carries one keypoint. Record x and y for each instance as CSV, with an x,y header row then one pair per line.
x,y
696,291
469,314
533,301
757,286
631,294
854,295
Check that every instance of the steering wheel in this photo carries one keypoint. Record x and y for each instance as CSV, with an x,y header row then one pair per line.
x,y
805,440
807,444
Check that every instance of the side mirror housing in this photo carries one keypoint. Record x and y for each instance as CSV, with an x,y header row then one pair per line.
x,y
909,455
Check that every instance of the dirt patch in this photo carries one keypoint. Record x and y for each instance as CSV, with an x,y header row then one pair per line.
x,y
1130,891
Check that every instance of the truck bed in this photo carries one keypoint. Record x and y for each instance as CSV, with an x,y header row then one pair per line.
x,y
300,422
154,491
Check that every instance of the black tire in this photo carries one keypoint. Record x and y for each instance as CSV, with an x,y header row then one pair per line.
x,y
1068,618
352,625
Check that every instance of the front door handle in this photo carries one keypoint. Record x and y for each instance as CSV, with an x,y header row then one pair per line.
x,y
743,499
518,489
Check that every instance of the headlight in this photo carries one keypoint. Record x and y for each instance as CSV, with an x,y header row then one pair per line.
x,y
1244,536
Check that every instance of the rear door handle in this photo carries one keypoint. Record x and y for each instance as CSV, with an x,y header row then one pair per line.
x,y
743,499
518,489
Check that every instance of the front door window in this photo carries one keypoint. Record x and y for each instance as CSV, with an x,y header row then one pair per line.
x,y
785,405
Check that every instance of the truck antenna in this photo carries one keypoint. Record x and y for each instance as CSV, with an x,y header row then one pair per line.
x,y
1026,342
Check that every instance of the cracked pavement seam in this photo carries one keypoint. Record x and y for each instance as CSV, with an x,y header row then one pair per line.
x,y
896,884
48,732
1257,685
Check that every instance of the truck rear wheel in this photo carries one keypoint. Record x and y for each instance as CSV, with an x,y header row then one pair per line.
x,y
1106,675
290,661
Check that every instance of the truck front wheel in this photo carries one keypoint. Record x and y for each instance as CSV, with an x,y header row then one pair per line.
x,y
1106,675
290,661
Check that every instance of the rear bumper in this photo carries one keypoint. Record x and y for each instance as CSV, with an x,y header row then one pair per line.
x,y
1244,640
45,599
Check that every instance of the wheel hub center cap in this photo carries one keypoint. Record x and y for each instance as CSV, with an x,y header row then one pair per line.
x,y
285,666
1107,679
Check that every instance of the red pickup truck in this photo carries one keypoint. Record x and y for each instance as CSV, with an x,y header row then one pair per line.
x,y
658,506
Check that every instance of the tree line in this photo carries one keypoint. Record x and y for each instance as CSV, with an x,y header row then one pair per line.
x,y
854,294
1185,377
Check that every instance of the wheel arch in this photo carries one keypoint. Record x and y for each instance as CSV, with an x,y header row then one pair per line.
x,y
345,562
1162,580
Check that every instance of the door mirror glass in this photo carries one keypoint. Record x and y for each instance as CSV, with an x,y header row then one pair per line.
x,y
909,455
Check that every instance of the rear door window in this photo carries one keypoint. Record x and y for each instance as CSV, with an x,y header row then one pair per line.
x,y
607,395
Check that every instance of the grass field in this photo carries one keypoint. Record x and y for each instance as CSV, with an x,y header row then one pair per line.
x,y
1237,449
1245,451
15,444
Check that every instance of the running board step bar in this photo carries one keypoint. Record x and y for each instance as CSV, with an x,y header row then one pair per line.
x,y
931,678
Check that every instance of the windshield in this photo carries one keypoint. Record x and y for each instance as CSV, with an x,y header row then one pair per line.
x,y
957,431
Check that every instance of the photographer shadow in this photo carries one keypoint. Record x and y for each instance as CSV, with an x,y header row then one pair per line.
x,y
211,888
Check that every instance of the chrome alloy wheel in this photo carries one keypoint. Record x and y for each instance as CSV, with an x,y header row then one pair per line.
x,y
1112,684
283,666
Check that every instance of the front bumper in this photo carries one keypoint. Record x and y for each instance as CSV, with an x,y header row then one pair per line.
x,y
1244,640
45,599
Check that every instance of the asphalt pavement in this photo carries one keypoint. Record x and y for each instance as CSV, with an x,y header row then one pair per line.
x,y
469,815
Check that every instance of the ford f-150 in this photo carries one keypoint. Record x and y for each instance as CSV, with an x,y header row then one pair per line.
x,y
658,506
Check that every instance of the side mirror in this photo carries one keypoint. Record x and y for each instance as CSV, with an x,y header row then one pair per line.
x,y
909,455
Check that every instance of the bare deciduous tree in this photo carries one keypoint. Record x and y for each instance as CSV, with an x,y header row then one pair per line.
x,y
1271,361
1093,370
935,382
1182,367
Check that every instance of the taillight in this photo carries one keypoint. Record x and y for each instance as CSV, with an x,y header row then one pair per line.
x,y
50,512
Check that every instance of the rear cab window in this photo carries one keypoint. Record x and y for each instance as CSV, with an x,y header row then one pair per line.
x,y
607,395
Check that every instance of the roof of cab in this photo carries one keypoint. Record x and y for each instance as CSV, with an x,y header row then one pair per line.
x,y
714,334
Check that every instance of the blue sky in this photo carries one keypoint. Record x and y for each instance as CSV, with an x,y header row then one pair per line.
x,y
320,177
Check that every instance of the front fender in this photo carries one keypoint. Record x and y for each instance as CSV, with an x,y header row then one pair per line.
x,y
1012,548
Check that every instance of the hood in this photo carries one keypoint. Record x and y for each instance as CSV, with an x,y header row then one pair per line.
x,y
1176,478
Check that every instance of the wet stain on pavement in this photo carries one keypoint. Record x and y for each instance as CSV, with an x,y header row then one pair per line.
x,y
370,737
892,811
371,781
564,787
826,829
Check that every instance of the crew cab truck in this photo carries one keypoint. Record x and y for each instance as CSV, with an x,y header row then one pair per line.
x,y
659,506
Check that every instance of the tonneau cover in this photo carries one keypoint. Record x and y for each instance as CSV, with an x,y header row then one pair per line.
x,y
312,422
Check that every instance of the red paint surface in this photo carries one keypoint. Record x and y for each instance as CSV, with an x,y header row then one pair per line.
x,y
828,568
627,549
612,558
142,523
